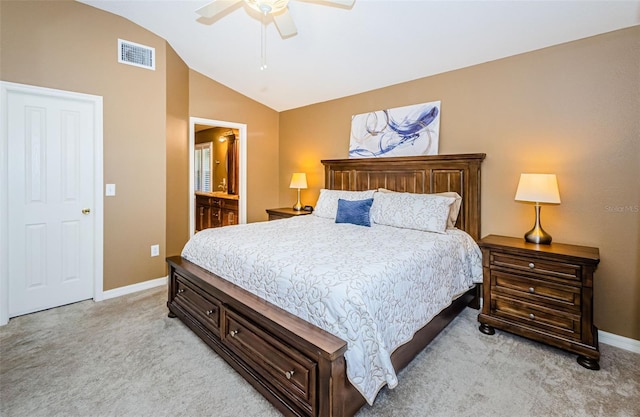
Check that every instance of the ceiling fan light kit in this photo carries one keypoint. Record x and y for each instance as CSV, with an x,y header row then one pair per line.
x,y
268,6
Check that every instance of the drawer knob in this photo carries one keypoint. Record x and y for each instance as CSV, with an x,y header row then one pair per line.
x,y
233,333
532,290
288,374
532,316
180,290
532,265
209,312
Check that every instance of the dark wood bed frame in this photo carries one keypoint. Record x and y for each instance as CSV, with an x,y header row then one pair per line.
x,y
299,367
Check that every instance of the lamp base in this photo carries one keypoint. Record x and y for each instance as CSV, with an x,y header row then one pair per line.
x,y
537,233
298,205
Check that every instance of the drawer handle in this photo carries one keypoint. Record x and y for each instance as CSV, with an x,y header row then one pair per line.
x,y
288,374
532,316
180,290
233,333
532,265
532,290
209,312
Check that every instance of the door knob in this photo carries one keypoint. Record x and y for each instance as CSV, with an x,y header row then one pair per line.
x,y
86,210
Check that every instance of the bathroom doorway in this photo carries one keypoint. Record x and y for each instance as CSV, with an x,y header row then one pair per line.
x,y
232,132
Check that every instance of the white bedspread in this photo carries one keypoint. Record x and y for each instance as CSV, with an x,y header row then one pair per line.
x,y
373,287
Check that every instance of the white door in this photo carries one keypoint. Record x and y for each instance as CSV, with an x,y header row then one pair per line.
x,y
50,200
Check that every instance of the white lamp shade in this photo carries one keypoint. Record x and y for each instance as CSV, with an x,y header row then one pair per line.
x,y
538,188
298,180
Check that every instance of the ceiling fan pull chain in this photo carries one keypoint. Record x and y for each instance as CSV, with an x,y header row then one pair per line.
x,y
263,42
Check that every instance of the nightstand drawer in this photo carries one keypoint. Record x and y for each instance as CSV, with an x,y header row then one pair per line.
x,y
277,217
537,291
552,269
538,316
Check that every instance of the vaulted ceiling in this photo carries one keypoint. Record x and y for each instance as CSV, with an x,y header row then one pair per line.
x,y
341,51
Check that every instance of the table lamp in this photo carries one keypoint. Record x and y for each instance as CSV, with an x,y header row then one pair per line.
x,y
538,188
298,180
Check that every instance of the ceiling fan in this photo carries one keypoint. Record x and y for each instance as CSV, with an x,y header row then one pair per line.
x,y
278,9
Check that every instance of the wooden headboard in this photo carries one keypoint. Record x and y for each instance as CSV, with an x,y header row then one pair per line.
x,y
415,174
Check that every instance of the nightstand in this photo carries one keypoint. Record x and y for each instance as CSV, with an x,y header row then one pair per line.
x,y
285,212
542,292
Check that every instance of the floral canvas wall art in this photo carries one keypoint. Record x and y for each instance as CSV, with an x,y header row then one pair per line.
x,y
402,131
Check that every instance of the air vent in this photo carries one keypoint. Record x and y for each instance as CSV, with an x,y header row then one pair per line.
x,y
135,54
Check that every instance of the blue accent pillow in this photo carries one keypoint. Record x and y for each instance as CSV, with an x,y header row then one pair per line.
x,y
354,211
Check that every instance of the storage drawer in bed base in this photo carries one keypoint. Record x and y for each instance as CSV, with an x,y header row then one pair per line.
x,y
275,396
297,358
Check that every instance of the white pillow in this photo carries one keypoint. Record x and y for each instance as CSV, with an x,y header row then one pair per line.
x,y
327,205
454,209
426,212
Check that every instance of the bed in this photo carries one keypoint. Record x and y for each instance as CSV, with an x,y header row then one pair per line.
x,y
298,366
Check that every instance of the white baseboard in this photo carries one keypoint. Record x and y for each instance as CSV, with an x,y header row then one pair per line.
x,y
621,342
130,289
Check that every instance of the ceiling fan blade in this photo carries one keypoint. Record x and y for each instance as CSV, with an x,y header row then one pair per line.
x,y
285,24
347,3
216,7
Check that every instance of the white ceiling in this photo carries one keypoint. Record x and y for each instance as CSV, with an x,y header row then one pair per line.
x,y
339,51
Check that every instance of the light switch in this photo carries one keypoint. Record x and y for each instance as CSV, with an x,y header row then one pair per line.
x,y
110,190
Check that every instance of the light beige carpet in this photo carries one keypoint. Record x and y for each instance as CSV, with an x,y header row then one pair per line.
x,y
124,357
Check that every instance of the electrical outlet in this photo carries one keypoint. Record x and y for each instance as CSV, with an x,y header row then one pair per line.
x,y
155,250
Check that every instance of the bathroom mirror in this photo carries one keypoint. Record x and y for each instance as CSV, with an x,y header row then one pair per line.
x,y
216,159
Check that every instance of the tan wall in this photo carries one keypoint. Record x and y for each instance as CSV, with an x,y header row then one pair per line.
x,y
70,46
572,110
212,100
177,201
